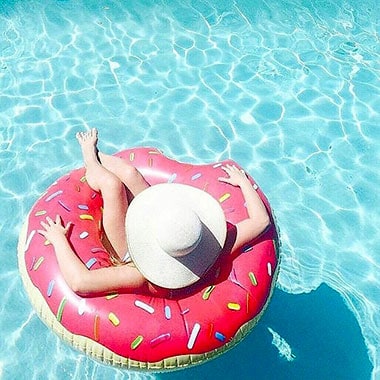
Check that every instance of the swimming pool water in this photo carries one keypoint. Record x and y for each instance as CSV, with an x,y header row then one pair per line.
x,y
289,89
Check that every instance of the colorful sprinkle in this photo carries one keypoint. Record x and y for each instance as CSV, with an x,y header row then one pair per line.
x,y
50,288
131,156
218,165
207,292
172,178
269,267
32,263
83,179
160,339
150,162
97,249
196,176
50,197
38,263
220,336
142,305
224,197
29,239
40,213
168,312
183,312
96,327
86,217
83,235
112,296
137,341
193,336
247,248
252,277
233,306
205,187
60,309
114,319
83,207
67,208
81,306
210,329
90,262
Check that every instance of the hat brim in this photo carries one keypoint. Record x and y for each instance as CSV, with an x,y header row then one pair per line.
x,y
156,265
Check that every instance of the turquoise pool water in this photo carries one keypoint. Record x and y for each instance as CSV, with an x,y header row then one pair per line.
x,y
289,89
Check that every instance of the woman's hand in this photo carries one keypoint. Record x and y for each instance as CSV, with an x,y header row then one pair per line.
x,y
54,231
258,219
236,177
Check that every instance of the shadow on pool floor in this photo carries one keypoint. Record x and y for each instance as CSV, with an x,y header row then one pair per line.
x,y
323,334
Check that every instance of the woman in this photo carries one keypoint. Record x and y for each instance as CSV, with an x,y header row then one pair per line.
x,y
119,183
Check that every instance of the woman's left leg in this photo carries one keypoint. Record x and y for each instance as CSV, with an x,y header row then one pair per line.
x,y
128,174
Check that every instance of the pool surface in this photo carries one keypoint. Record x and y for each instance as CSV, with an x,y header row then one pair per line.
x,y
289,89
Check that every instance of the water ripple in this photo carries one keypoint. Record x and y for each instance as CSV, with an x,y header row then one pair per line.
x,y
290,90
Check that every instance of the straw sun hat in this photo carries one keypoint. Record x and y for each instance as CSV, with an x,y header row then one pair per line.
x,y
175,233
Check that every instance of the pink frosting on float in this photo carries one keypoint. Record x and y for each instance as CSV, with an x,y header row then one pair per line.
x,y
142,328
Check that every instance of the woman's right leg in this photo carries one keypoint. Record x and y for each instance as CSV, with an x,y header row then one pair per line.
x,y
115,202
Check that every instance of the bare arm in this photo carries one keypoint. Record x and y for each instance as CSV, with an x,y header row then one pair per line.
x,y
258,218
78,277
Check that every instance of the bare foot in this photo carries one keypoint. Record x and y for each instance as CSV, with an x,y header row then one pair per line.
x,y
94,169
88,141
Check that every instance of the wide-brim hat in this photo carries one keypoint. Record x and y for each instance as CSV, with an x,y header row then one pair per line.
x,y
175,233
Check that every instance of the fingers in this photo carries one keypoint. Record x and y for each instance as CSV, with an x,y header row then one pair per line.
x,y
50,221
42,232
224,179
57,222
227,168
45,225
231,169
235,176
68,226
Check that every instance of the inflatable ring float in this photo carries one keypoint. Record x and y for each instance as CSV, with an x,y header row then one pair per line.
x,y
138,331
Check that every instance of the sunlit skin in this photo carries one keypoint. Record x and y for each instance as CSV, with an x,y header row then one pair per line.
x,y
118,181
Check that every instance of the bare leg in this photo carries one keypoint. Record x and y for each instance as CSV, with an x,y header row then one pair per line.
x,y
128,174
115,202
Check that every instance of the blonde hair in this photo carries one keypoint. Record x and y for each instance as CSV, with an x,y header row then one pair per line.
x,y
115,259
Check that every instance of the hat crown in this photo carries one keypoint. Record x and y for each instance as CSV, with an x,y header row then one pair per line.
x,y
175,233
178,230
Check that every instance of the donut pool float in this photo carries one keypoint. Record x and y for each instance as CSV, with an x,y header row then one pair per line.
x,y
174,329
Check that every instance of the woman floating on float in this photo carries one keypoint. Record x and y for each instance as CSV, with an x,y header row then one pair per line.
x,y
147,263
